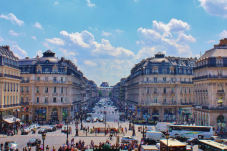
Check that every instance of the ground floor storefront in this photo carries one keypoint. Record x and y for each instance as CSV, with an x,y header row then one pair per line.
x,y
216,118
179,114
46,114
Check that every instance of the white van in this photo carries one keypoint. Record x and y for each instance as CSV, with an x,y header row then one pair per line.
x,y
155,135
163,126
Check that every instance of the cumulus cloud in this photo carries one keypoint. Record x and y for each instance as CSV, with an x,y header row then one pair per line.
x,y
11,17
106,33
186,39
56,41
89,4
74,60
90,63
56,3
1,39
33,37
38,25
173,26
210,41
39,53
67,53
223,34
18,51
119,31
214,7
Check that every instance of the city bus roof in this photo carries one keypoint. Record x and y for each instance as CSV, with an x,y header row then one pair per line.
x,y
188,126
214,144
172,142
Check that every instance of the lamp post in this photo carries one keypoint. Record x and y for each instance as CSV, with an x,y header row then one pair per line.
x,y
43,137
183,116
105,119
81,120
143,126
167,137
67,131
194,116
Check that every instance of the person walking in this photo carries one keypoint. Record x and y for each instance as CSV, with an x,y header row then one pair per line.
x,y
125,130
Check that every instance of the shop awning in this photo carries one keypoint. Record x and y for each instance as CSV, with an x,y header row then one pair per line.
x,y
17,120
8,120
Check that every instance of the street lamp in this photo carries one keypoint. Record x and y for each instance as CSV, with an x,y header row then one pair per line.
x,y
67,131
194,116
43,137
105,119
81,120
167,137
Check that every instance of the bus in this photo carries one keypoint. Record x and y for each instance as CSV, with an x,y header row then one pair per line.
x,y
191,131
209,145
122,116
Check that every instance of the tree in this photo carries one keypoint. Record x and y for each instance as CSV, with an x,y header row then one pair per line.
x,y
110,94
100,93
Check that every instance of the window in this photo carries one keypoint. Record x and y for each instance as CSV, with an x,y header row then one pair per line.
x,y
147,90
11,87
17,87
54,89
172,90
46,89
16,99
27,78
219,72
164,78
185,79
47,70
61,99
147,99
46,78
55,78
37,89
189,79
4,86
164,100
185,90
61,78
185,100
61,89
54,100
180,79
47,61
155,90
22,89
55,70
27,89
164,71
37,100
46,99
147,79
172,79
164,91
155,99
189,90
180,90
22,99
26,99
65,78
65,99
14,87
155,79
38,78
172,100
155,70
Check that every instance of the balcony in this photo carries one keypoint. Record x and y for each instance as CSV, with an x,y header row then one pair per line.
x,y
11,105
24,81
214,107
220,91
210,77
185,82
187,103
24,103
12,76
59,82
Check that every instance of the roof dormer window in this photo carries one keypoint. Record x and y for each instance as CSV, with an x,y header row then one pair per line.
x,y
47,61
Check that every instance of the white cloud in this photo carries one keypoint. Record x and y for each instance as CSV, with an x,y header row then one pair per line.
x,y
11,32
12,18
18,51
1,39
67,53
173,26
74,60
214,7
223,34
90,63
33,37
45,44
186,39
39,53
89,4
210,41
56,3
106,33
38,25
119,31
56,41
145,52
137,42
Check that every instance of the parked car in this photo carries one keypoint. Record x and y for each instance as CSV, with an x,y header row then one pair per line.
x,y
195,141
149,141
34,142
13,146
42,130
25,131
7,143
181,138
126,139
88,119
216,139
100,119
95,119
59,125
51,128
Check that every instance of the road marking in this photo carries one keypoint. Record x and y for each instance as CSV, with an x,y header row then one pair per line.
x,y
57,134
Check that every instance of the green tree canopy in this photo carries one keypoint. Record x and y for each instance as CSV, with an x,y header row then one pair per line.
x,y
110,94
100,93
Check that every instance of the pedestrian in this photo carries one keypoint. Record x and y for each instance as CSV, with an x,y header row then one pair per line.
x,y
98,130
53,149
125,130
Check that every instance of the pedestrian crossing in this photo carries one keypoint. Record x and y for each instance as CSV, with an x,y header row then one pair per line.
x,y
35,135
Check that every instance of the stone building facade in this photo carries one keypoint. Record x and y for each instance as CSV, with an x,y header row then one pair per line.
x,y
210,87
51,88
9,83
161,88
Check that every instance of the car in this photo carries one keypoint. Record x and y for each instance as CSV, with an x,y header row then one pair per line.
x,y
51,128
42,130
127,139
34,142
7,143
181,138
100,119
93,111
59,125
13,146
194,141
25,131
216,139
88,119
95,119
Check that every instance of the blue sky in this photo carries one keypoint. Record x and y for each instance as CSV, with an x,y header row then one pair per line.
x,y
105,38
